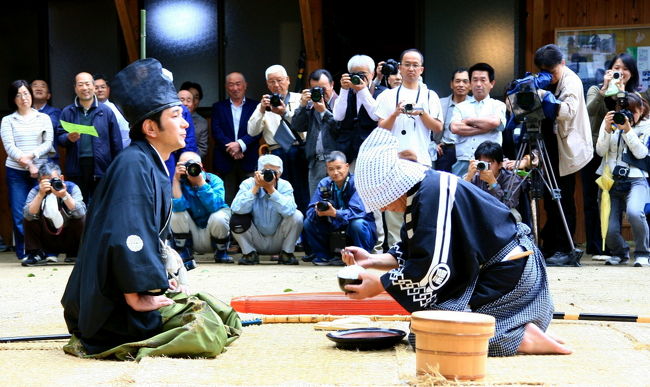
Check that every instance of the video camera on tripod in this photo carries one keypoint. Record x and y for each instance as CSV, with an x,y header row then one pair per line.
x,y
529,102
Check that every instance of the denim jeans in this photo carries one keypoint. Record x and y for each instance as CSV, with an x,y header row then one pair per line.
x,y
633,203
360,233
19,183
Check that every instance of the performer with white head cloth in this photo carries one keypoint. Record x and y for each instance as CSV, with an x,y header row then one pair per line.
x,y
461,250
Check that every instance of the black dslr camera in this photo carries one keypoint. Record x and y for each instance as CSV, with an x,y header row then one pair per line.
x,y
56,184
276,99
622,109
317,93
356,78
482,165
192,168
326,194
269,174
389,67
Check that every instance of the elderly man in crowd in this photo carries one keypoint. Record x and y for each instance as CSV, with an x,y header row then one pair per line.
x,y
88,157
314,116
103,93
265,216
336,216
190,97
200,215
235,151
273,119
54,215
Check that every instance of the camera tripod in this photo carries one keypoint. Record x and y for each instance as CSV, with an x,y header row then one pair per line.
x,y
541,178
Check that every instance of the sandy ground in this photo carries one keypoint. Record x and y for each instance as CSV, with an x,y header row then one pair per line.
x,y
605,353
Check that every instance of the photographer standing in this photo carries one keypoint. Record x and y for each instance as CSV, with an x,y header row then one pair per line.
x,y
54,215
273,118
314,116
200,216
265,215
570,147
412,113
336,216
620,133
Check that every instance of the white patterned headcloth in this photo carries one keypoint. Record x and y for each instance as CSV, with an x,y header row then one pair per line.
x,y
380,175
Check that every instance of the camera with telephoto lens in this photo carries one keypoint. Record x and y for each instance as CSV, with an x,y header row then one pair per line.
x,y
317,93
389,67
326,195
193,168
482,165
269,174
356,78
56,184
622,110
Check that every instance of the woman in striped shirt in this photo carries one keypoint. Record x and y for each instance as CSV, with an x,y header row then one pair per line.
x,y
27,138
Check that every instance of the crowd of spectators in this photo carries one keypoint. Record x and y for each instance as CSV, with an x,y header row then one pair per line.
x,y
271,155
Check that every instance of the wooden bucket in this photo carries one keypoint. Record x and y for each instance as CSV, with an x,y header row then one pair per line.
x,y
456,342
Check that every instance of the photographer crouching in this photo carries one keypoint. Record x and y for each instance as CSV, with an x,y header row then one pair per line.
x,y
54,215
200,216
622,132
336,216
487,173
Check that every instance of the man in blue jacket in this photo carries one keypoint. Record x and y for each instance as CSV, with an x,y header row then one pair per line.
x,y
88,157
200,216
235,151
336,213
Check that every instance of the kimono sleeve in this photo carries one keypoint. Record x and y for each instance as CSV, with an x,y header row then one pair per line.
x,y
133,228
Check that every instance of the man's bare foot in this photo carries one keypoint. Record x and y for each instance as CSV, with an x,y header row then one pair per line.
x,y
537,342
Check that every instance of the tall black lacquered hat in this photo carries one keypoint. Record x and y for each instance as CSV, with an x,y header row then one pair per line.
x,y
143,89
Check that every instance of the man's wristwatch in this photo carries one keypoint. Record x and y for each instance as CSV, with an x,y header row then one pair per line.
x,y
67,197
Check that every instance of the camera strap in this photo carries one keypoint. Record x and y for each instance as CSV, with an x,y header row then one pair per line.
x,y
417,97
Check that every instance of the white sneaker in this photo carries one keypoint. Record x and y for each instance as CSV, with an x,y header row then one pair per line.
x,y
52,259
641,262
600,257
617,261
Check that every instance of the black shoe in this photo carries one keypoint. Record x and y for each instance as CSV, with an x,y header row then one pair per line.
x,y
70,259
308,258
190,264
300,248
221,256
249,259
287,259
34,260
565,259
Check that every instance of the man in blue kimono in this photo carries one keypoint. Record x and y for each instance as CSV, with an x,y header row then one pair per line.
x,y
115,295
461,250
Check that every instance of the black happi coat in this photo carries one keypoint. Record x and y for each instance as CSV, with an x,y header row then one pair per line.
x,y
452,229
121,252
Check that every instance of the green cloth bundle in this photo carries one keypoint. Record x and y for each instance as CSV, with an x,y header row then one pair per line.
x,y
194,326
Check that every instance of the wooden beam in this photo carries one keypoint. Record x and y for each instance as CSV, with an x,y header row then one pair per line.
x,y
312,22
127,12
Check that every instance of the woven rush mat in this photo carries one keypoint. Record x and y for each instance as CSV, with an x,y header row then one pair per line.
x,y
612,354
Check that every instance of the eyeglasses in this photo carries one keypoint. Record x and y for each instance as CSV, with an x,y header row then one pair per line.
x,y
23,95
410,65
275,81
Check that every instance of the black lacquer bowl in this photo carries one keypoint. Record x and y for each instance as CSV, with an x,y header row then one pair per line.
x,y
366,338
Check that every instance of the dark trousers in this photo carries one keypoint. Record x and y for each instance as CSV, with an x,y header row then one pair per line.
x,y
232,179
316,233
295,170
19,183
590,198
40,236
553,235
447,159
87,181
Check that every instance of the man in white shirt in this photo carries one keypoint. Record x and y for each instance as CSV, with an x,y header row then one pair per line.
x,y
478,120
411,112
275,111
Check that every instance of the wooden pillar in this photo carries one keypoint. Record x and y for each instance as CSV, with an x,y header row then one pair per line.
x,y
311,16
127,12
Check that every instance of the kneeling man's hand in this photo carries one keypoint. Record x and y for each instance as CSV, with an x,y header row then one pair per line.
x,y
146,303
370,287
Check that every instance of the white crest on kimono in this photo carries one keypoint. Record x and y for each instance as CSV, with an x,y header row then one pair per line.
x,y
134,243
